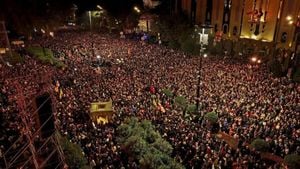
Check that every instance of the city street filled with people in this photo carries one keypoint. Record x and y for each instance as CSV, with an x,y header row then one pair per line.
x,y
249,101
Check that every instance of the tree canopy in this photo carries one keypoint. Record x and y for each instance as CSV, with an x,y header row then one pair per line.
x,y
140,141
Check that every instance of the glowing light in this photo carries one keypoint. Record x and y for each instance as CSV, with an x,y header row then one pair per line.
x,y
136,9
253,59
291,22
290,44
205,55
98,56
258,61
99,7
2,51
51,34
253,37
288,18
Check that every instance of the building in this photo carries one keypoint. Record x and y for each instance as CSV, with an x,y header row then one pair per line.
x,y
265,20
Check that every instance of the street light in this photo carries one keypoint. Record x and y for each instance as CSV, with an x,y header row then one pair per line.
x,y
136,9
98,59
202,41
259,61
99,7
253,59
199,71
90,19
288,18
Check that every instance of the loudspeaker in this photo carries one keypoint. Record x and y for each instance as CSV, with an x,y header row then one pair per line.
x,y
45,114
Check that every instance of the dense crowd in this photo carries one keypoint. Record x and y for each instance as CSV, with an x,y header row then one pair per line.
x,y
250,103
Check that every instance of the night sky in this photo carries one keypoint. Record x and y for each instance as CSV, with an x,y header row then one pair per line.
x,y
21,16
115,7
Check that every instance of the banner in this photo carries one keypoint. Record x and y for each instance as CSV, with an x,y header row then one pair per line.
x,y
101,112
232,142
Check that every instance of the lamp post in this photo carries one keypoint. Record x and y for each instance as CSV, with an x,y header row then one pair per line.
x,y
199,71
90,19
98,59
101,11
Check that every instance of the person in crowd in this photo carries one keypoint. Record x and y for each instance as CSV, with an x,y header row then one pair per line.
x,y
250,103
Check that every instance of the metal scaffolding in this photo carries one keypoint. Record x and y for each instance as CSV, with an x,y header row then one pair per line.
x,y
35,151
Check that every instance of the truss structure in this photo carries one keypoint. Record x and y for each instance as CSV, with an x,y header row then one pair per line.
x,y
30,150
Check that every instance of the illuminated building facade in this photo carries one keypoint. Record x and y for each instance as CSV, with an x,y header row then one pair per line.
x,y
265,20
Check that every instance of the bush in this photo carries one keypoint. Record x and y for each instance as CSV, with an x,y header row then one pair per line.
x,y
260,145
292,161
211,117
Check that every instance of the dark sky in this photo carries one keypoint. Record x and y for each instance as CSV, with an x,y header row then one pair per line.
x,y
115,7
23,14
40,7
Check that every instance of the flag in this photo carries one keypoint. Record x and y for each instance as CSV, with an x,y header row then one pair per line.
x,y
60,93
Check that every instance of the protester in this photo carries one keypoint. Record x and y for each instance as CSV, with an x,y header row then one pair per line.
x,y
250,103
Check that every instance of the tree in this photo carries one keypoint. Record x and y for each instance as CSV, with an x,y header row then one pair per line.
x,y
191,108
260,145
168,92
181,102
292,161
296,75
275,68
189,46
45,55
73,154
142,143
212,117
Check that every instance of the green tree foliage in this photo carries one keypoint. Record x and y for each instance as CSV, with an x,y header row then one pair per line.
x,y
296,75
140,141
275,67
73,154
260,145
45,55
217,49
181,102
292,161
211,117
191,108
228,46
14,59
168,92
189,45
